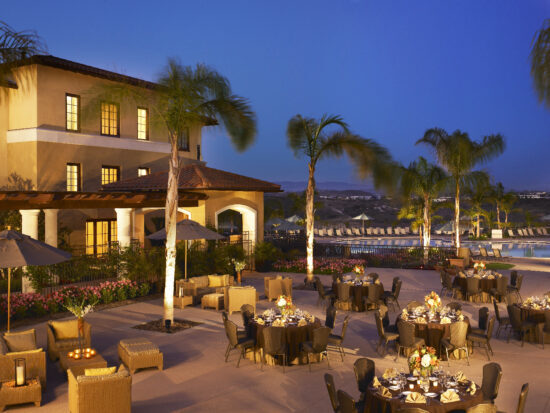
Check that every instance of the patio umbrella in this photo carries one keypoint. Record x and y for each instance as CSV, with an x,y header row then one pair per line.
x,y
288,226
188,230
274,222
19,250
363,217
293,219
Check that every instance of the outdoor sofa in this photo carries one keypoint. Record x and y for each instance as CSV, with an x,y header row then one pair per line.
x,y
22,345
196,287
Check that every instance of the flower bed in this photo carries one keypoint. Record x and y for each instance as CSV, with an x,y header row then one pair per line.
x,y
36,305
320,265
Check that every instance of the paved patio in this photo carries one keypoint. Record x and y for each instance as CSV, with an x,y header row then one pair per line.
x,y
196,379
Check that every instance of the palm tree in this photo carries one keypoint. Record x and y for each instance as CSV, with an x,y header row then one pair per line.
x,y
413,210
478,194
14,47
423,181
330,136
497,197
540,63
507,205
184,97
458,154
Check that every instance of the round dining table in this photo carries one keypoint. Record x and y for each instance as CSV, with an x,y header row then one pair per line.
x,y
485,286
357,291
537,316
376,403
294,336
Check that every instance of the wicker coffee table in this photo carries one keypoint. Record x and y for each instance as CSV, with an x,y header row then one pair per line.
x,y
30,393
78,366
212,300
139,353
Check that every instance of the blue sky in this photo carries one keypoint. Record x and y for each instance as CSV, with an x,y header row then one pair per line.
x,y
392,69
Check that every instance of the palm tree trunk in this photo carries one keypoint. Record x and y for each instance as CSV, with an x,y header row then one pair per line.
x,y
170,217
506,218
457,216
426,235
310,194
477,226
498,216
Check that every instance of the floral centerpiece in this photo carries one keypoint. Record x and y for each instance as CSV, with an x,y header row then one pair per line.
x,y
239,266
433,302
423,361
479,266
359,270
284,303
79,309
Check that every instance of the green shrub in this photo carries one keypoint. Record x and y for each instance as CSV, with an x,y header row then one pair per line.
x,y
265,254
107,296
144,289
121,294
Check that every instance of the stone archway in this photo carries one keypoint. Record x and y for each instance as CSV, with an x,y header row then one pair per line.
x,y
249,216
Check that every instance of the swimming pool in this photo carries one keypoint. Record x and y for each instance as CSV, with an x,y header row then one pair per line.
x,y
536,249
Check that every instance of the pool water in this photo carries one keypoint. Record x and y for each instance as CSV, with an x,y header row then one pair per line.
x,y
536,249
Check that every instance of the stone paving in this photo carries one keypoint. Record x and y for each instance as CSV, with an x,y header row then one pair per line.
x,y
196,379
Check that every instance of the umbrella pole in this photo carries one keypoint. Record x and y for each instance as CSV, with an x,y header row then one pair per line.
x,y
9,293
185,259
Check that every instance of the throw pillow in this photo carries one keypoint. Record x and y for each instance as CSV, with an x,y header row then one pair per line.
x,y
215,281
21,341
3,346
65,329
103,371
35,351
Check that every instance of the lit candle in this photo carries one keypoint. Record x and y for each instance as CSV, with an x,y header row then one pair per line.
x,y
77,356
77,351
88,355
411,386
92,352
88,350
20,375
71,354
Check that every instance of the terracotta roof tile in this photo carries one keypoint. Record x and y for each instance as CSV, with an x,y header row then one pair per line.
x,y
193,177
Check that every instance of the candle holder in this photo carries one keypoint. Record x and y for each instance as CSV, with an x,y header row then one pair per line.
x,y
20,372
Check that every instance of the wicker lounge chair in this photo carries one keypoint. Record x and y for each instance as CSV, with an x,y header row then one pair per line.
x,y
63,337
35,359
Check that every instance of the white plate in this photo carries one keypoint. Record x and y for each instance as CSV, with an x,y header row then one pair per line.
x,y
406,392
433,378
394,388
452,383
412,378
430,394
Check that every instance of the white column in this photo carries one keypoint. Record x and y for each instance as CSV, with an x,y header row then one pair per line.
x,y
29,222
51,226
124,226
29,226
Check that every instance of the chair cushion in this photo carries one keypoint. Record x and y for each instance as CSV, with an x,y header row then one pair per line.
x,y
99,371
216,281
67,343
200,282
478,338
21,341
23,353
65,329
3,346
478,331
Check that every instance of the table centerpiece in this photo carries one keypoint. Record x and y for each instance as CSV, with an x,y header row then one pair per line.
x,y
423,361
432,302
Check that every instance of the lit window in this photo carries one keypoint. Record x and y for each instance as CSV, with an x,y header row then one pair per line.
x,y
109,119
109,174
73,112
73,177
143,171
143,123
100,235
183,140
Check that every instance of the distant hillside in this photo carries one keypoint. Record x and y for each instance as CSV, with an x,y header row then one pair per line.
x,y
299,186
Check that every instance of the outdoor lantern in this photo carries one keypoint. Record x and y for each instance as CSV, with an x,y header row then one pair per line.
x,y
167,324
20,379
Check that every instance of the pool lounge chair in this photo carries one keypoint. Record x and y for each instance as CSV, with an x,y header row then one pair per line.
x,y
322,232
382,232
356,232
389,231
338,233
544,232
349,232
531,233
369,231
498,254
375,231
539,232
483,252
511,233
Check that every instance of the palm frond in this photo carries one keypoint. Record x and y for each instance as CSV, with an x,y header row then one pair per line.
x,y
540,63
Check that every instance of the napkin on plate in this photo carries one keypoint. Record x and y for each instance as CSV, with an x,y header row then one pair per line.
x,y
477,276
384,392
390,373
421,320
445,320
376,382
449,396
377,282
472,389
260,321
302,322
460,317
278,323
490,277
461,274
461,377
415,397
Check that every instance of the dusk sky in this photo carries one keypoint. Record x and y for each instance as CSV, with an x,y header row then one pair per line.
x,y
392,69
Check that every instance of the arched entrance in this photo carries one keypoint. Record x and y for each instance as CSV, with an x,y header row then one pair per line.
x,y
248,219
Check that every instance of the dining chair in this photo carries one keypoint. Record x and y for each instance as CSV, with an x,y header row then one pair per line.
x,y
247,312
515,287
501,288
453,305
472,288
519,326
406,339
331,388
374,298
442,275
346,402
457,340
364,369
544,328
483,317
274,344
492,374
522,398
335,340
393,296
384,314
330,317
411,410
503,322
383,336
235,343
374,276
323,296
343,298
318,345
483,339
